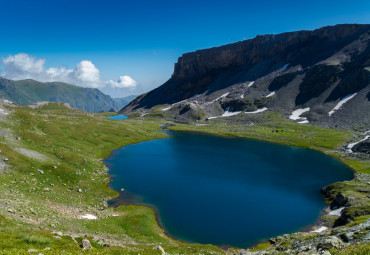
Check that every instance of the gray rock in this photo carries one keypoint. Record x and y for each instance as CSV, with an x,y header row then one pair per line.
x,y
158,247
86,245
55,167
330,242
363,147
244,252
40,171
347,236
80,190
339,200
32,250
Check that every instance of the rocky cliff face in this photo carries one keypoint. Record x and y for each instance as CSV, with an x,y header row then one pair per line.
x,y
297,70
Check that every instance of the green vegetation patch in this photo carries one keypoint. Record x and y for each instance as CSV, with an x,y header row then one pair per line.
x,y
52,175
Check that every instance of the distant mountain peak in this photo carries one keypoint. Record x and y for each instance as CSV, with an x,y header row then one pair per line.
x,y
25,92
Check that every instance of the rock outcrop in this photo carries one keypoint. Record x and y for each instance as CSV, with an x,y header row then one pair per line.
x,y
327,69
363,147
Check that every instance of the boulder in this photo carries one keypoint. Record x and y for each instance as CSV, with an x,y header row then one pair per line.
x,y
160,248
86,245
244,252
363,147
339,200
330,242
347,237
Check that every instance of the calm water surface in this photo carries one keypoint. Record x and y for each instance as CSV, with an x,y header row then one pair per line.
x,y
225,191
118,117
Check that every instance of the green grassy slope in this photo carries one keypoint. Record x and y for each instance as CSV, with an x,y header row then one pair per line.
x,y
67,146
26,92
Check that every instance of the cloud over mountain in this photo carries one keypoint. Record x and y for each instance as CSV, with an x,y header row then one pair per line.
x,y
123,82
85,74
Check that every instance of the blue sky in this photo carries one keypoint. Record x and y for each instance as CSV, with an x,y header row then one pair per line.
x,y
143,39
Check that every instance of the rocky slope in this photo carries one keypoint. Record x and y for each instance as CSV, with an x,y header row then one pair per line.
x,y
26,92
319,77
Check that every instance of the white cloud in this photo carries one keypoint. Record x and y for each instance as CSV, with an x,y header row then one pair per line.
x,y
85,74
88,74
23,66
124,81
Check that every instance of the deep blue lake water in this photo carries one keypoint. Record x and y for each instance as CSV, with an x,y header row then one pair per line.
x,y
118,117
225,191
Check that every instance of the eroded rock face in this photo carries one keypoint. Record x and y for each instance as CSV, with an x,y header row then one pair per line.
x,y
287,46
339,200
363,147
315,69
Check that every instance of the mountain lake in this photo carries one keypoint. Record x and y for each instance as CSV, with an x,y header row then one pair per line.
x,y
224,191
118,117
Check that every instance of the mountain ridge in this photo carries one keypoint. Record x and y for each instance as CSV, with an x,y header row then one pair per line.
x,y
311,69
25,92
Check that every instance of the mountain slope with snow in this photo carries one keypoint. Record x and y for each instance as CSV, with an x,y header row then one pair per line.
x,y
326,70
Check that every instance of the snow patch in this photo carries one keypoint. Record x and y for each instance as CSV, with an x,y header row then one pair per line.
x,y
3,112
303,122
350,146
319,230
166,109
88,217
342,102
226,114
258,111
250,84
296,115
337,212
271,94
185,100
222,96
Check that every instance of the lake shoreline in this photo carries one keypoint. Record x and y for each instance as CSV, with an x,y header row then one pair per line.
x,y
122,202
119,200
